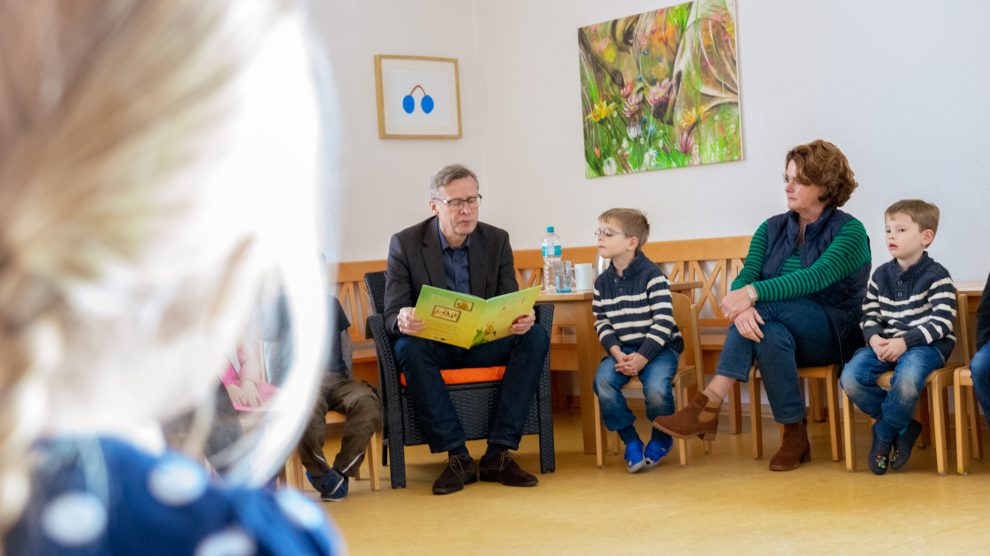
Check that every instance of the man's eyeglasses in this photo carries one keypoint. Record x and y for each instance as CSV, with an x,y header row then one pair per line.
x,y
607,233
457,204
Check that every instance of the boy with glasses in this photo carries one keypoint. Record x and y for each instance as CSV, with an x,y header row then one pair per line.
x,y
635,323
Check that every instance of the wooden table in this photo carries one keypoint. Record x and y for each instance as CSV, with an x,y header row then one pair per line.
x,y
971,288
574,309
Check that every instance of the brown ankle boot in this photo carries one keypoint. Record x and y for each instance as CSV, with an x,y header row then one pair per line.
x,y
794,448
699,417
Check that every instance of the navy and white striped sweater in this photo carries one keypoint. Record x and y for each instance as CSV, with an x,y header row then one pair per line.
x,y
635,310
917,304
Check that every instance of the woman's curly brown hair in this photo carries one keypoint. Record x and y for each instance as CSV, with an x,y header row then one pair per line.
x,y
822,163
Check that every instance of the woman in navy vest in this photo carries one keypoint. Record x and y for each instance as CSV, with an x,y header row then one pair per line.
x,y
796,302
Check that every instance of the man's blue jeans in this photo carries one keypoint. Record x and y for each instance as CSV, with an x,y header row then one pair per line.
x,y
980,367
892,410
657,378
421,361
797,333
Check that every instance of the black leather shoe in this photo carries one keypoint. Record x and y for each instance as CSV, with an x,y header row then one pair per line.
x,y
503,469
459,471
903,443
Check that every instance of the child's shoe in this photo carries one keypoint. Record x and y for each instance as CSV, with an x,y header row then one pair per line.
x,y
656,450
879,454
903,443
332,486
634,456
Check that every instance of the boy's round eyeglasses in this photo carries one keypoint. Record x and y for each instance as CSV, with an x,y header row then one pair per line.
x,y
472,201
608,233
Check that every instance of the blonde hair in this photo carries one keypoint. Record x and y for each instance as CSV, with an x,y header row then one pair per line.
x,y
632,222
150,175
923,213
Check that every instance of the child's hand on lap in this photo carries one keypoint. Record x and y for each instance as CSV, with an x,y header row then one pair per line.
x,y
878,344
893,349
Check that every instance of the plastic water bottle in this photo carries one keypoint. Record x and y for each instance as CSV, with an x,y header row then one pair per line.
x,y
551,260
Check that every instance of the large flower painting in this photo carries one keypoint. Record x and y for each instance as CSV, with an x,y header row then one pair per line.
x,y
661,90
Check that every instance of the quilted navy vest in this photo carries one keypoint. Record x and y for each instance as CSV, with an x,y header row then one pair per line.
x,y
843,300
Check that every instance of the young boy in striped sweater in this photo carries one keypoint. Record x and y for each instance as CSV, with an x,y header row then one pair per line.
x,y
907,321
635,323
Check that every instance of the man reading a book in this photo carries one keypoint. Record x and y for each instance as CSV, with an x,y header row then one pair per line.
x,y
452,250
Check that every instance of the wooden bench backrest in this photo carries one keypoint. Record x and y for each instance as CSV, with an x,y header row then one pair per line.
x,y
348,286
714,262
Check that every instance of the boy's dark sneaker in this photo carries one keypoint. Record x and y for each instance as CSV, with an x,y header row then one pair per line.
x,y
634,456
656,450
332,486
903,443
879,454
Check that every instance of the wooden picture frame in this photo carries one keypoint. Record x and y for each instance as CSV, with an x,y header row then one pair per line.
x,y
418,97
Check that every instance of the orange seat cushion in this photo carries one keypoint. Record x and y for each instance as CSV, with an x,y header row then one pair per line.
x,y
467,375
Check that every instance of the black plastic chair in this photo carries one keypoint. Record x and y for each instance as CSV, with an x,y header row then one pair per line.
x,y
474,403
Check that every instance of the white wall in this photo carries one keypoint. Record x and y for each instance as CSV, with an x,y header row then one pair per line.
x,y
899,86
384,182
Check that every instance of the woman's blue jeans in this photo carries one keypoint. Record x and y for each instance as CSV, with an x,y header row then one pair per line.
x,y
796,333
980,367
658,389
892,410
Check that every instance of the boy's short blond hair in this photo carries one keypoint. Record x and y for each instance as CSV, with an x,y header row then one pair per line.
x,y
923,213
632,222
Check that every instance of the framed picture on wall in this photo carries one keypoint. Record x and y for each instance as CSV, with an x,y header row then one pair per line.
x,y
418,97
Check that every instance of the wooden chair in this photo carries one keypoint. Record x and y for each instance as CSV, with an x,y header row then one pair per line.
x,y
967,415
294,471
689,374
474,401
936,382
827,373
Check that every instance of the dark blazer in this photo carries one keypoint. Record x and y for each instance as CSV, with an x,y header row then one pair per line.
x,y
415,258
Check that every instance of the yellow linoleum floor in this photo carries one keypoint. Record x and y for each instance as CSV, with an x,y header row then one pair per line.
x,y
723,503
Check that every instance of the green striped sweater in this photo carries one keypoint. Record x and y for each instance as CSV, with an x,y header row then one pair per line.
x,y
848,251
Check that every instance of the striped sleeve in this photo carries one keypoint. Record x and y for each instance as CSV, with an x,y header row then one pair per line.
x,y
848,251
938,323
754,259
872,321
606,334
662,309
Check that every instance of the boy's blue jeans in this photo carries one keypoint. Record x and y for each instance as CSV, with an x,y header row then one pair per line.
x,y
658,389
892,410
980,367
797,333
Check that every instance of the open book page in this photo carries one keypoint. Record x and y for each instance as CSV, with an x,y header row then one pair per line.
x,y
465,320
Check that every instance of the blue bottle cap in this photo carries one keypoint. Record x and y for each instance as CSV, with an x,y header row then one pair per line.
x,y
549,229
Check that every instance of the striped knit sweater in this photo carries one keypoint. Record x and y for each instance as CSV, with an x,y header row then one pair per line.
x,y
635,310
917,304
847,252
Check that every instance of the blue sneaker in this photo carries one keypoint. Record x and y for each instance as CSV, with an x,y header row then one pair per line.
x,y
656,450
332,486
634,456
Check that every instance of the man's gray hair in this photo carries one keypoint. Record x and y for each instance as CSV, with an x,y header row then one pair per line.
x,y
448,174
